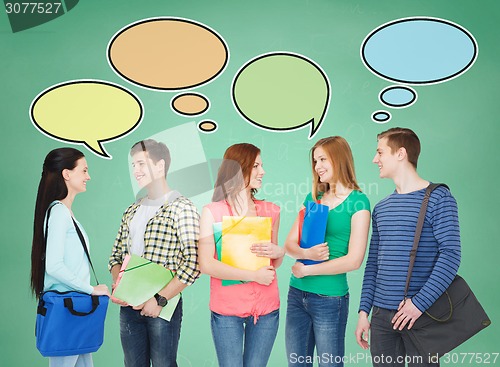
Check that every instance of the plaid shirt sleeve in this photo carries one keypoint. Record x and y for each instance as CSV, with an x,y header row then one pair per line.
x,y
120,245
187,227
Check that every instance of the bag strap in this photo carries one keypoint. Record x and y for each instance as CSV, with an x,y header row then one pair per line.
x,y
84,244
80,235
418,230
45,243
68,303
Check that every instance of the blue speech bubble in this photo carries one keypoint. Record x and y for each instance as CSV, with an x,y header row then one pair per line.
x,y
419,50
397,96
381,117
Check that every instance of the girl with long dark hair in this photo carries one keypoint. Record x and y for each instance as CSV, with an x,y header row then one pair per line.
x,y
60,263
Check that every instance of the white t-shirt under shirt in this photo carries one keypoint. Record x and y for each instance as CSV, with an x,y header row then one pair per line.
x,y
142,216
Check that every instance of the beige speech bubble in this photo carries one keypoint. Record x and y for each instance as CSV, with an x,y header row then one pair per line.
x,y
88,112
190,104
207,126
167,53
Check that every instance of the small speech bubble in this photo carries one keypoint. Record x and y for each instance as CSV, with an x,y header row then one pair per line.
x,y
381,117
397,96
190,104
207,126
167,53
88,112
281,92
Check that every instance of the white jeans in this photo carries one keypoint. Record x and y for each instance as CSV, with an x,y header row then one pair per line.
x,y
82,360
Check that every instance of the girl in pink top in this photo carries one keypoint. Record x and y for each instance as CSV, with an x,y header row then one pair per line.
x,y
245,316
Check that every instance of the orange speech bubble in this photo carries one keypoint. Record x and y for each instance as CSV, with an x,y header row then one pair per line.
x,y
190,104
167,53
207,126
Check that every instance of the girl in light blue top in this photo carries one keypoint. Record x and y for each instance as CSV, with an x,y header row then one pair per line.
x,y
66,268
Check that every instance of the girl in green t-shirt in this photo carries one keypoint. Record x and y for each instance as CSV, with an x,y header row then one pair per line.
x,y
318,299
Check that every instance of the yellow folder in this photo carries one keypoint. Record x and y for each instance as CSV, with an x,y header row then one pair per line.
x,y
140,279
238,235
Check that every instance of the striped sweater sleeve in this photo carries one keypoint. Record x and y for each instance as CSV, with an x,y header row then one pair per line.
x,y
443,217
370,276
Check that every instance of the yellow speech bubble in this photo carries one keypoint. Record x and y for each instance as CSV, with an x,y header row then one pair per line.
x,y
167,53
88,112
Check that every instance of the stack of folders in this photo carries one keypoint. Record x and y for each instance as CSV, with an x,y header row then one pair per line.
x,y
233,238
140,279
312,227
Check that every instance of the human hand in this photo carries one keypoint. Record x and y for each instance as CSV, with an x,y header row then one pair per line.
x,y
267,249
139,307
150,308
299,270
407,313
264,275
119,302
101,290
362,331
319,252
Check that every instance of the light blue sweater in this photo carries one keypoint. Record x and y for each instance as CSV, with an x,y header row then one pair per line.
x,y
66,265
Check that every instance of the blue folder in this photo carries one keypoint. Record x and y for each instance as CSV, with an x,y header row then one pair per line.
x,y
313,227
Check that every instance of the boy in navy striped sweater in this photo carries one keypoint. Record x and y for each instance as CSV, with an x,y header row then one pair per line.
x,y
393,230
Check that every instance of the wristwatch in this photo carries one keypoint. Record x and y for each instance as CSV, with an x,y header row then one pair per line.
x,y
162,301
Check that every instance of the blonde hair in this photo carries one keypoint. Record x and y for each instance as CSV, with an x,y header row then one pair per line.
x,y
340,155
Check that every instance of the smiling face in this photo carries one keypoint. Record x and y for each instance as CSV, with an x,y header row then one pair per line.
x,y
385,159
145,170
76,178
256,174
322,165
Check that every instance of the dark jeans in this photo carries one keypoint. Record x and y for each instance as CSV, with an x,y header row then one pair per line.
x,y
391,347
147,340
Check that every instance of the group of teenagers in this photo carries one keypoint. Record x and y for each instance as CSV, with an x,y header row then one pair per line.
x,y
166,228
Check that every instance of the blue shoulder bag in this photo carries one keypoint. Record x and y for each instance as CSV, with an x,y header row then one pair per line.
x,y
70,323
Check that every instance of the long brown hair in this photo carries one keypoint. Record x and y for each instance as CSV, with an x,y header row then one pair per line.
x,y
51,187
234,172
340,155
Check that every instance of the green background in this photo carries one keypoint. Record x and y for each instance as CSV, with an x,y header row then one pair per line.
x,y
457,122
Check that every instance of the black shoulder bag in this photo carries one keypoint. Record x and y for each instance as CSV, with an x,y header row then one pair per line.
x,y
456,315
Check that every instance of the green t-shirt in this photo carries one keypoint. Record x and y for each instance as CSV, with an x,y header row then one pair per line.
x,y
338,231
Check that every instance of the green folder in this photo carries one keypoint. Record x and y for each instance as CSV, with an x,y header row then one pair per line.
x,y
140,279
218,247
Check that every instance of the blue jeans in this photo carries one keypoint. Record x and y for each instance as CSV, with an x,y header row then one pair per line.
x,y
82,360
313,320
241,343
391,347
146,339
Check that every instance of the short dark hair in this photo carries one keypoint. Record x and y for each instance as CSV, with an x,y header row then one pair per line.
x,y
401,137
155,150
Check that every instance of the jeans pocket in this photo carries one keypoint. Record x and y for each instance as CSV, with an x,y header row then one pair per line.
x,y
376,310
